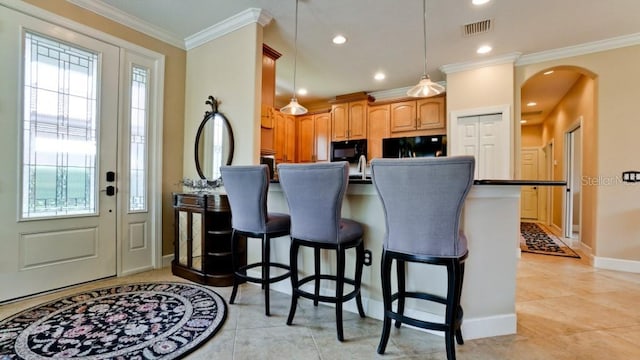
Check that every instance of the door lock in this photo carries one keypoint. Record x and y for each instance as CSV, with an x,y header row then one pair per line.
x,y
110,190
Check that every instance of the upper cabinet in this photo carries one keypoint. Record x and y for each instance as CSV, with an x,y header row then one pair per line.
x,y
422,114
267,118
313,137
349,120
378,118
285,137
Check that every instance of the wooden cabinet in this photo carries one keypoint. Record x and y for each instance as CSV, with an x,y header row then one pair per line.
x,y
267,133
378,119
349,120
322,136
284,137
202,243
423,114
314,137
306,134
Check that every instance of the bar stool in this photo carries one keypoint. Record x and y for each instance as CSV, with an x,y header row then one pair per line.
x,y
422,200
315,193
246,188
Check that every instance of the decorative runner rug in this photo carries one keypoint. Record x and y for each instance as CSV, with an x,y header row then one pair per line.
x,y
538,239
135,321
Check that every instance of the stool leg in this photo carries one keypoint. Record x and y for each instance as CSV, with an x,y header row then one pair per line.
x,y
358,279
234,266
316,263
451,311
339,291
459,315
385,272
293,263
400,266
266,253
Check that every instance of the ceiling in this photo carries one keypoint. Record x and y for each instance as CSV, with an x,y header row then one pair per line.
x,y
387,36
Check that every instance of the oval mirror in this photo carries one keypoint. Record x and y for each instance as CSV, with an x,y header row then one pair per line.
x,y
214,144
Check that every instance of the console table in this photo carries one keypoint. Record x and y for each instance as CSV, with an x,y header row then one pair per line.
x,y
202,243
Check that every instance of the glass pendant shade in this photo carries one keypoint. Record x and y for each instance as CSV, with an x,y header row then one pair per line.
x,y
293,108
425,88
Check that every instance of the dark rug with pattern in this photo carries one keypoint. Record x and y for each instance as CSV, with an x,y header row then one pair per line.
x,y
136,321
538,239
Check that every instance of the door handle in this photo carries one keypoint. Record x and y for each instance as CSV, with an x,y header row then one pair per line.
x,y
110,190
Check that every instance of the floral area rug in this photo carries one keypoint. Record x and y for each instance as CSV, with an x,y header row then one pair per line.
x,y
538,239
135,321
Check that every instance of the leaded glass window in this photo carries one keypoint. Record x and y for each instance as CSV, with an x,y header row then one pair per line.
x,y
59,129
138,139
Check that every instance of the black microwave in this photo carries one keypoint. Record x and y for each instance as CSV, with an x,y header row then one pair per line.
x,y
349,150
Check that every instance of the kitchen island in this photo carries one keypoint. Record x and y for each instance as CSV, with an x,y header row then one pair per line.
x,y
491,222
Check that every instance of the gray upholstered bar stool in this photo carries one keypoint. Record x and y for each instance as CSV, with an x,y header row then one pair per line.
x,y
422,200
247,188
315,193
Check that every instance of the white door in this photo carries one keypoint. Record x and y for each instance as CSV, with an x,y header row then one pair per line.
x,y
529,171
59,113
481,136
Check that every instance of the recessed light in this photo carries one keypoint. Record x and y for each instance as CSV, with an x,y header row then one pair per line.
x,y
523,121
339,39
532,103
302,91
479,2
379,76
484,49
548,72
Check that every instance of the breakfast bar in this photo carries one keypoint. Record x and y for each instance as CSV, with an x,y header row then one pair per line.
x,y
490,221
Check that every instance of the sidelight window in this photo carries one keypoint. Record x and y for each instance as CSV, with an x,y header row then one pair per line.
x,y
138,139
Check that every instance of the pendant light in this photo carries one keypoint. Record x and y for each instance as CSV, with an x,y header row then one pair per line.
x,y
425,87
294,108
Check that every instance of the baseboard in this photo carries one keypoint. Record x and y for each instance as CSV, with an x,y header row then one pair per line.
x,y
472,328
166,260
616,264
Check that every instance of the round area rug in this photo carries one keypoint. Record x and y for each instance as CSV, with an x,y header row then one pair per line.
x,y
133,321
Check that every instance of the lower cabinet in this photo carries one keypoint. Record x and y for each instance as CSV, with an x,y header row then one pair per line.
x,y
202,243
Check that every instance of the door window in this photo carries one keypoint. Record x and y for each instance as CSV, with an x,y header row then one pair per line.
x,y
59,129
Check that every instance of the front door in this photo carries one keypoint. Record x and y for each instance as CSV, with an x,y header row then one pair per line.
x,y
59,113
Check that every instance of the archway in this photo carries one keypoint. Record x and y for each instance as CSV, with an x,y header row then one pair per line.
x,y
554,102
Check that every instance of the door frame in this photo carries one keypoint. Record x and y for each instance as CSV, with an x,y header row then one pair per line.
x,y
156,113
569,153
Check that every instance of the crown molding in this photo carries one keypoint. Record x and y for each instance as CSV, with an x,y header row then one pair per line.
x,y
246,17
129,20
582,49
510,58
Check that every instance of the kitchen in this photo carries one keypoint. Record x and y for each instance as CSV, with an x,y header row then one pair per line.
x,y
464,92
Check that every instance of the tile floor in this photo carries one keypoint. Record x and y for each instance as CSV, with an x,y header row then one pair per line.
x,y
566,310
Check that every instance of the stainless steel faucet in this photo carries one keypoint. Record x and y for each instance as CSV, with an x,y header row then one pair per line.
x,y
362,166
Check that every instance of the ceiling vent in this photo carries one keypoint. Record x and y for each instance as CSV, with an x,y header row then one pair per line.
x,y
478,27
531,113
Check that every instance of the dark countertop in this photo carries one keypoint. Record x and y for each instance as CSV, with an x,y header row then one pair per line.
x,y
359,180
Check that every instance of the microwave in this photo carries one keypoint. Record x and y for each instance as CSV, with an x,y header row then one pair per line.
x,y
349,150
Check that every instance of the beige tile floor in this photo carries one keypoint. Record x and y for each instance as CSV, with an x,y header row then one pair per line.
x,y
566,310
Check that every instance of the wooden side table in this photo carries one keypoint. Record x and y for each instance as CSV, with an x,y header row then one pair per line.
x,y
202,243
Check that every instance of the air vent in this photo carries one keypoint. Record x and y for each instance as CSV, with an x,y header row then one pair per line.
x,y
478,27
531,113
